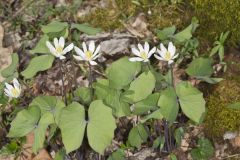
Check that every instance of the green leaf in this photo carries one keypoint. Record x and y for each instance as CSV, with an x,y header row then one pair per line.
x,y
40,131
117,155
168,104
113,99
173,156
60,155
221,53
85,28
200,67
191,101
154,115
137,136
122,72
214,50
25,122
64,33
158,142
72,125
41,46
49,104
150,103
101,88
186,34
54,26
235,105
37,64
84,95
178,135
142,87
210,79
101,126
12,68
164,33
224,37
204,151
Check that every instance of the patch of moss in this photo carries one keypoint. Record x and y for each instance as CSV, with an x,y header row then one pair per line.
x,y
218,16
162,14
219,118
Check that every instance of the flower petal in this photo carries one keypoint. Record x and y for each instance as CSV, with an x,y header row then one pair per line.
x,y
91,46
93,63
171,49
153,50
84,47
62,57
61,42
163,49
175,56
16,83
96,56
170,62
68,48
96,51
8,86
50,47
56,43
79,52
134,59
136,52
159,58
140,47
161,53
79,58
146,60
146,47
7,93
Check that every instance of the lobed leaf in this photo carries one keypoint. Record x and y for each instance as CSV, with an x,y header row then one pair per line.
x,y
101,126
37,64
191,101
72,125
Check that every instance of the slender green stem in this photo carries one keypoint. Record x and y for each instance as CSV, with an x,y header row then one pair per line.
x,y
64,96
74,75
166,135
149,66
172,78
90,79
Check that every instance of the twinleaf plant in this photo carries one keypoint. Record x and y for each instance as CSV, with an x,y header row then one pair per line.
x,y
132,87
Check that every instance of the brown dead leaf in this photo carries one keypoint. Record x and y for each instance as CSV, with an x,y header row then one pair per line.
x,y
139,27
5,58
42,155
27,153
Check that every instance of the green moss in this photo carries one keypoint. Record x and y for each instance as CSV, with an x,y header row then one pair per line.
x,y
218,16
220,119
110,18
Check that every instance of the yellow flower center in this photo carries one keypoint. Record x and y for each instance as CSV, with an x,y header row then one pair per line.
x,y
143,55
89,55
59,49
15,92
168,56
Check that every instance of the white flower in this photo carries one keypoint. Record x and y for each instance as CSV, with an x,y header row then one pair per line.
x,y
143,54
167,54
87,54
13,91
58,49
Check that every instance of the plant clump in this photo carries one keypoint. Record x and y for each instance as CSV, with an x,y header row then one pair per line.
x,y
216,17
219,118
